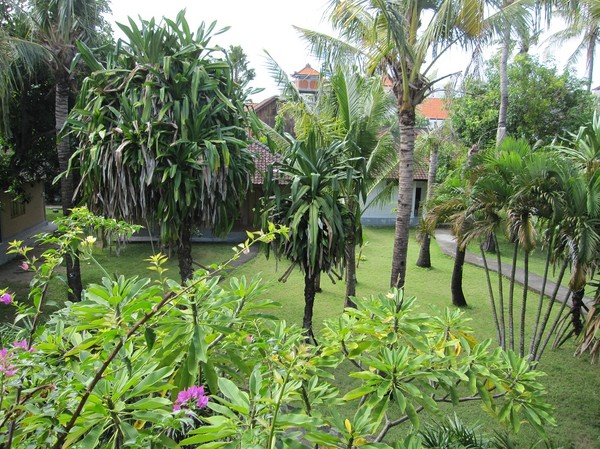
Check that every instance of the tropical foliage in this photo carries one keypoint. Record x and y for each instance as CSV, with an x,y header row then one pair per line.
x,y
305,197
357,113
546,196
161,133
544,104
139,363
396,39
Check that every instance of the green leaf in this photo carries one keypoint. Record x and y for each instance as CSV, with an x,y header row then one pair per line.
x,y
150,404
234,394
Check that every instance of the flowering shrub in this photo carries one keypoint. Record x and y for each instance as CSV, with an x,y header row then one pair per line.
x,y
140,363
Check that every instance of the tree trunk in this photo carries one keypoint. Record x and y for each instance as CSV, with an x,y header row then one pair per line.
x,y
424,260
184,250
501,131
309,302
589,57
458,296
511,297
576,306
350,253
63,148
405,193
489,244
524,304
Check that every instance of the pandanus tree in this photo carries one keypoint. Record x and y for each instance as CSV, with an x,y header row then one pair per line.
x,y
397,37
305,197
358,112
162,133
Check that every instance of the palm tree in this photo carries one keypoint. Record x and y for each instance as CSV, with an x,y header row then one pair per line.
x,y
397,38
359,112
309,204
450,202
56,26
521,185
582,19
579,230
162,134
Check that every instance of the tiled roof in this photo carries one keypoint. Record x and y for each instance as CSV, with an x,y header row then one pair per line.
x,y
433,108
306,71
263,160
421,170
258,106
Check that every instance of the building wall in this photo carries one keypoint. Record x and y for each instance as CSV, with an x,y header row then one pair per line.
x,y
16,219
385,215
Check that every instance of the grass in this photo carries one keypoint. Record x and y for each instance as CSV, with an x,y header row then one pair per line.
x,y
573,385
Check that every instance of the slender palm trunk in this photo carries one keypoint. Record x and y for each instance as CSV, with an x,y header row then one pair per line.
x,y
502,112
491,293
309,302
538,314
424,260
184,251
350,254
524,304
63,147
458,296
405,190
511,297
500,295
537,350
594,35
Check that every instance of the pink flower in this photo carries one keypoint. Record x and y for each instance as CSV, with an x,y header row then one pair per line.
x,y
24,266
23,345
5,367
6,298
192,393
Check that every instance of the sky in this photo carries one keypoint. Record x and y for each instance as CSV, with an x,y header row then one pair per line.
x,y
259,25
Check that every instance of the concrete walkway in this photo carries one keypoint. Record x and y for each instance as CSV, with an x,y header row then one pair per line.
x,y
447,244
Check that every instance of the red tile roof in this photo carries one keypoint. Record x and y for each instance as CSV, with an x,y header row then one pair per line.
x,y
421,170
433,108
263,159
307,71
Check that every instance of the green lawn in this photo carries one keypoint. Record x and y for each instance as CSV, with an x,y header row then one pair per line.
x,y
573,384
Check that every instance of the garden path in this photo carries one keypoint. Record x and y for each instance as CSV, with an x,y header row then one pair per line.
x,y
447,244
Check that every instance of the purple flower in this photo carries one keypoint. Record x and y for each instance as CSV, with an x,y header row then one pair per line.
x,y
6,298
193,393
24,266
5,367
23,345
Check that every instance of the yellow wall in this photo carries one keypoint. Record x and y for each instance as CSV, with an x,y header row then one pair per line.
x,y
34,213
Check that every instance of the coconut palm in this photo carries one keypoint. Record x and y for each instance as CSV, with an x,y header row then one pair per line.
x,y
52,29
162,134
582,19
310,205
397,38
